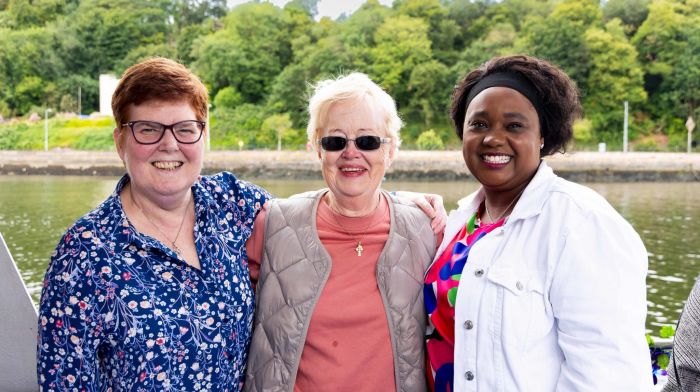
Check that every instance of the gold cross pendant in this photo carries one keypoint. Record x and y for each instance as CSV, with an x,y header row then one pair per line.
x,y
359,248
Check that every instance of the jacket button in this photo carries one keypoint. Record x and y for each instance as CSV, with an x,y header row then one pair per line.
x,y
469,375
479,273
519,285
468,324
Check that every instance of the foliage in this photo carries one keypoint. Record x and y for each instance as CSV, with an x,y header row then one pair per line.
x,y
429,140
259,61
228,98
583,131
632,13
616,75
240,124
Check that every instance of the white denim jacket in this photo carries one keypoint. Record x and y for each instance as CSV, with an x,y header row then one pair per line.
x,y
555,300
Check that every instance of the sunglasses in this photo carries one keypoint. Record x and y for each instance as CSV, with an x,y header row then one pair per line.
x,y
363,143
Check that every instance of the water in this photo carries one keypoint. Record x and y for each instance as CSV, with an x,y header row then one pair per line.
x,y
35,211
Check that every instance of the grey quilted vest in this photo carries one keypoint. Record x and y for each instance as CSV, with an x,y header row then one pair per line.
x,y
295,267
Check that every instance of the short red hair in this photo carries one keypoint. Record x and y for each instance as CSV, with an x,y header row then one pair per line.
x,y
159,79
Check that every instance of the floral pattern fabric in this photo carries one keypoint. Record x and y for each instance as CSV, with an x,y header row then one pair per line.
x,y
440,293
119,311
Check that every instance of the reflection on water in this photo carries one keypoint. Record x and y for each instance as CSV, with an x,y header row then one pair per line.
x,y
35,211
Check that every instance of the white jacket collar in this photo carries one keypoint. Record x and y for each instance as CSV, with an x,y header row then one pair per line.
x,y
530,202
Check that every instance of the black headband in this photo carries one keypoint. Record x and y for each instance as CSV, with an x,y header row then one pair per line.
x,y
512,80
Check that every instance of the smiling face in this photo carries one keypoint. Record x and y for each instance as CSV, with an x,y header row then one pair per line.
x,y
501,139
354,175
166,169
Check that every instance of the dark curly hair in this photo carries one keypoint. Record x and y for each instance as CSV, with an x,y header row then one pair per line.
x,y
560,97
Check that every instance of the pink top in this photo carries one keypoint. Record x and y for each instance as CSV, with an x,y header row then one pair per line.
x,y
347,346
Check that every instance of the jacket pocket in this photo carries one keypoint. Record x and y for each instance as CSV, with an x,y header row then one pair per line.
x,y
520,316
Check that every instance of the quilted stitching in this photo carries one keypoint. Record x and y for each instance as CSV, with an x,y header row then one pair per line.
x,y
293,270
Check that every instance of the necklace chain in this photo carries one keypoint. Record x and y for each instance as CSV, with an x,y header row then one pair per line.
x,y
359,248
504,211
175,248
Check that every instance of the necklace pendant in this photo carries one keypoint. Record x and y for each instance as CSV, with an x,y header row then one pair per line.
x,y
359,248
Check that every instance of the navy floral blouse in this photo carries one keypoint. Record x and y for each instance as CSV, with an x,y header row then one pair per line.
x,y
119,311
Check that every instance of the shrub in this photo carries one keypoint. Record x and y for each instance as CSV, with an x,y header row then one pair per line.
x,y
429,140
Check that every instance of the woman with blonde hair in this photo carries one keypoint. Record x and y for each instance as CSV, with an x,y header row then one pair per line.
x,y
339,270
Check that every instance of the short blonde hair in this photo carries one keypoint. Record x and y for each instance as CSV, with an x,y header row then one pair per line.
x,y
349,87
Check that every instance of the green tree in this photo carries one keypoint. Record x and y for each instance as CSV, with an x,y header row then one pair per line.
x,y
228,98
429,84
30,91
681,89
274,128
617,77
248,53
498,42
632,13
98,34
659,41
402,44
559,37
442,31
229,126
429,140
26,56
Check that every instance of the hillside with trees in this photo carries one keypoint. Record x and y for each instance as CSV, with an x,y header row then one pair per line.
x,y
259,60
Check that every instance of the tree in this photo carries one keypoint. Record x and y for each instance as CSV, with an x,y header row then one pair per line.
x,y
430,85
681,89
402,44
497,42
229,126
228,98
632,13
616,75
659,41
27,58
277,125
442,31
248,53
98,34
559,38
29,92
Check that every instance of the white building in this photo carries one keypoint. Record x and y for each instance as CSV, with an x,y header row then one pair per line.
x,y
108,83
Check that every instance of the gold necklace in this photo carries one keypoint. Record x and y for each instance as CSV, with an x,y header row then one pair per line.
x,y
359,248
504,211
175,248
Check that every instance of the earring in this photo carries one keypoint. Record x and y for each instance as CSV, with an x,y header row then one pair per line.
x,y
541,146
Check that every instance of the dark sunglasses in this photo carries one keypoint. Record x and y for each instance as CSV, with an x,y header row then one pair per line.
x,y
364,143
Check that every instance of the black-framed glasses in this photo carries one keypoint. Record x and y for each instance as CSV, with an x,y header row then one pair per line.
x,y
151,132
364,143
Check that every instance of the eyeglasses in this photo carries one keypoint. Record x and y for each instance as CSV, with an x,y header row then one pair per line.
x,y
364,143
151,132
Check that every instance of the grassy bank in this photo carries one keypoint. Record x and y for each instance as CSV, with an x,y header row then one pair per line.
x,y
74,133
95,134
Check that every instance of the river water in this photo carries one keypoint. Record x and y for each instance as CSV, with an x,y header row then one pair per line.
x,y
35,211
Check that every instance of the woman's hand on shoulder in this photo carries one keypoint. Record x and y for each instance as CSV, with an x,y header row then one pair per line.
x,y
432,205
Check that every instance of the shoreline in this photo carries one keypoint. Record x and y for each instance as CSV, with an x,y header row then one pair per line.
x,y
409,165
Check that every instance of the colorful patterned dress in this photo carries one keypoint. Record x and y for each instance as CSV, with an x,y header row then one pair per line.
x,y
440,292
119,311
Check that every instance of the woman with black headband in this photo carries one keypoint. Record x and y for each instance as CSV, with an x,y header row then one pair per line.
x,y
539,284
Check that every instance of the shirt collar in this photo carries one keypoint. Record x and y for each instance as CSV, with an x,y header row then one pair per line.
x,y
128,236
531,201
